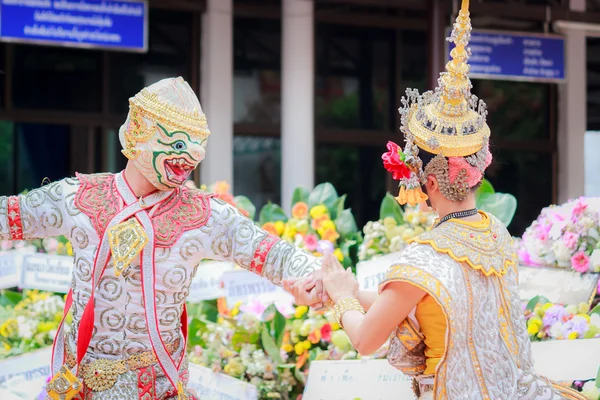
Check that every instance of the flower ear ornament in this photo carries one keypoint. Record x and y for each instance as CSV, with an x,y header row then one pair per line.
x,y
405,167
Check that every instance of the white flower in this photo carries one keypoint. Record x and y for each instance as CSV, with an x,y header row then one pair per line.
x,y
26,327
591,391
595,320
595,260
556,330
561,252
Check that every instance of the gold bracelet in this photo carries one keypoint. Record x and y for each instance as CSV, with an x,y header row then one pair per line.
x,y
344,305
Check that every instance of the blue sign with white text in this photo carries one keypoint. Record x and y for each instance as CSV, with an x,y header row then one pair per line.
x,y
119,25
515,56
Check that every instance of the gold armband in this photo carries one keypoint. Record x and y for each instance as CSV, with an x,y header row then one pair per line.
x,y
345,305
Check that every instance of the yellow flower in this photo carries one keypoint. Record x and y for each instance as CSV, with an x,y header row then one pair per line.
x,y
9,328
307,345
288,348
300,311
326,226
289,231
299,348
235,311
300,210
318,211
221,187
572,336
339,254
60,249
317,254
335,326
532,329
6,346
302,227
279,227
69,249
331,235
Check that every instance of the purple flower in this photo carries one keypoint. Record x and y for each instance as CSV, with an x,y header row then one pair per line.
x,y
554,314
577,324
325,246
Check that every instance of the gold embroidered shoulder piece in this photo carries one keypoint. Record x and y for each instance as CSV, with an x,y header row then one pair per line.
x,y
484,247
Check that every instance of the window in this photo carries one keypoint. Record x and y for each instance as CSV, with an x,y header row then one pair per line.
x,y
257,72
56,78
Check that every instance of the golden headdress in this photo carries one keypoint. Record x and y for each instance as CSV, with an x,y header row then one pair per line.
x,y
448,122
171,103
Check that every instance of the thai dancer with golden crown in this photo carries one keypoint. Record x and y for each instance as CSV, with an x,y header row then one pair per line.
x,y
450,304
138,237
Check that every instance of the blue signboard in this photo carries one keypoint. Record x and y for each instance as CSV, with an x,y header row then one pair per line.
x,y
515,56
119,25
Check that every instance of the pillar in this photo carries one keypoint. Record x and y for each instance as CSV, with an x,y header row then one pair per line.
x,y
297,98
572,114
216,94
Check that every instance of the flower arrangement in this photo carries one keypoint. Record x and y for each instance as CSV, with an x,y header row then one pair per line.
x,y
394,228
222,190
548,321
590,389
269,346
566,236
28,321
319,223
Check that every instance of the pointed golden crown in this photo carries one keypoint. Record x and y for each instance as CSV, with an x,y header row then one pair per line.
x,y
449,120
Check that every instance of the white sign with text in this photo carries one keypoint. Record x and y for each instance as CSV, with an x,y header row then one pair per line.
x,y
208,284
47,272
9,269
356,380
30,366
371,273
209,385
242,285
567,360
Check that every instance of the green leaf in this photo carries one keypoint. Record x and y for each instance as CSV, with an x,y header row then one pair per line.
x,y
338,207
502,205
195,329
8,297
279,328
598,379
210,311
345,224
391,208
300,195
595,310
485,188
270,347
299,376
324,194
245,204
535,301
271,213
286,366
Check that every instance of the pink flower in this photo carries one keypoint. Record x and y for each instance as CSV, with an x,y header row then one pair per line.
x,y
580,262
254,307
543,236
571,239
310,242
598,287
526,258
580,208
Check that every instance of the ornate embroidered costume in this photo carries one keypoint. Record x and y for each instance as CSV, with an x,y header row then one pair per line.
x,y
467,268
135,258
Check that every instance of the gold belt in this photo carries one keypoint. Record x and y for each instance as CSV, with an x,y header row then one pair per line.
x,y
102,374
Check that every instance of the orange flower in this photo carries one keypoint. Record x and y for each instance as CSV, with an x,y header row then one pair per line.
x,y
302,360
270,227
330,234
300,210
317,222
315,336
221,187
222,306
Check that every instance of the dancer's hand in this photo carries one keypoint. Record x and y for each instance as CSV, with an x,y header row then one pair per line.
x,y
307,291
339,283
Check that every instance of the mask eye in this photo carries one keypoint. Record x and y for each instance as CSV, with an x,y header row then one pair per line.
x,y
179,145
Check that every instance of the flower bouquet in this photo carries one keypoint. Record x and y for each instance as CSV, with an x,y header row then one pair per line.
x,y
566,236
590,389
394,228
269,346
548,321
28,321
319,223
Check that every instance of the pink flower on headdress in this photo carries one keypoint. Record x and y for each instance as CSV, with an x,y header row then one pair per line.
x,y
456,164
571,239
580,262
393,161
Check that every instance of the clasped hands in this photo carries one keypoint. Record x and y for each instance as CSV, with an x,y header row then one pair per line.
x,y
325,286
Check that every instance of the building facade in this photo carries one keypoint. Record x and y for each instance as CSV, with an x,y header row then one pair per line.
x,y
299,92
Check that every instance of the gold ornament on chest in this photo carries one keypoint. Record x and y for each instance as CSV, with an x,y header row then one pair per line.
x,y
127,240
64,385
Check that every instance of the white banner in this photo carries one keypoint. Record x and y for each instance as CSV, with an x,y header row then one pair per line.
x,y
209,385
367,380
47,272
242,285
567,360
371,273
207,284
30,366
9,269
